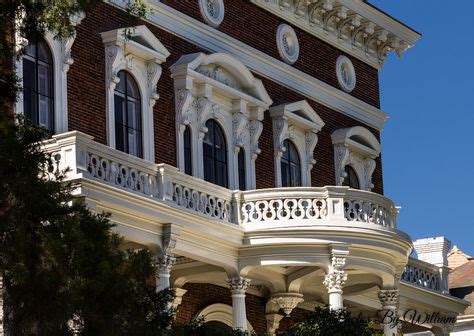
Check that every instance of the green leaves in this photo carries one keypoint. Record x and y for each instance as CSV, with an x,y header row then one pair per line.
x,y
60,261
326,322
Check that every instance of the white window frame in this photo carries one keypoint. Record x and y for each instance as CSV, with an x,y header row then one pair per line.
x,y
137,51
219,87
299,123
62,60
358,148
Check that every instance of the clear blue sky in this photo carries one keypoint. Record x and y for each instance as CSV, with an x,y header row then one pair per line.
x,y
428,142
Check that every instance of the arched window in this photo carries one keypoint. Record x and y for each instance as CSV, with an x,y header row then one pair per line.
x,y
351,179
128,119
241,163
188,163
215,154
290,166
38,86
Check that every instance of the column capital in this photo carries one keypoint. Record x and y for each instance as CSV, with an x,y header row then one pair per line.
x,y
389,298
238,285
336,277
165,263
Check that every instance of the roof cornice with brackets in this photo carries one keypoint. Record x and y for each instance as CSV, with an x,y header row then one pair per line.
x,y
354,26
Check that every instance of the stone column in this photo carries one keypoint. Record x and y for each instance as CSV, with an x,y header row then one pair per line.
x,y
164,265
238,286
389,300
334,281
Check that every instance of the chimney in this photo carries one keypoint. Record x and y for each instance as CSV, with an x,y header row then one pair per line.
x,y
433,250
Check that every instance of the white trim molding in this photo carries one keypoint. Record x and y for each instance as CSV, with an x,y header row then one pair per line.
x,y
219,87
220,312
287,43
346,75
212,11
358,148
351,25
298,122
62,60
138,51
211,39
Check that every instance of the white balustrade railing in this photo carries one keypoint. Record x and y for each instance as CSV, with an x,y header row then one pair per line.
x,y
425,275
84,157
287,206
251,209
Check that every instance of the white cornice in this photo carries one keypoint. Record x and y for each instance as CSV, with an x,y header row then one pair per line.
x,y
354,26
286,75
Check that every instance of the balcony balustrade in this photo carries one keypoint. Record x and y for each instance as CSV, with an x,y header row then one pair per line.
x,y
425,275
85,158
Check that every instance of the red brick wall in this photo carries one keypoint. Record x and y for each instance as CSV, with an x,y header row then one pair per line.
x,y
257,28
87,93
200,296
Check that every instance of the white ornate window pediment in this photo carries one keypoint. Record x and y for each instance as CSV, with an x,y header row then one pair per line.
x,y
138,51
357,147
299,123
220,87
62,60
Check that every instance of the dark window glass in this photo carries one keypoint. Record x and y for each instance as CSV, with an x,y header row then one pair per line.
x,y
215,155
351,179
290,166
241,163
128,119
38,86
188,163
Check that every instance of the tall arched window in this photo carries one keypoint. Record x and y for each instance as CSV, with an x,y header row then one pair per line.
x,y
188,161
215,154
241,164
290,166
128,119
38,86
351,179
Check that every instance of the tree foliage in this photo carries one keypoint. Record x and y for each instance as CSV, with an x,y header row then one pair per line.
x,y
327,322
59,261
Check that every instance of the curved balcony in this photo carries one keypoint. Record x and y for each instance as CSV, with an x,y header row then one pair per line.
x,y
312,206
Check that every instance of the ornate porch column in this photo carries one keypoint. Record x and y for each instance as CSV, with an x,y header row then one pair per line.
x,y
238,286
164,265
389,300
335,281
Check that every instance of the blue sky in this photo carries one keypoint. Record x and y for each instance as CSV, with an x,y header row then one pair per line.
x,y
428,153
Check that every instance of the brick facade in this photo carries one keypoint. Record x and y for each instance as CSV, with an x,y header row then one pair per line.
x,y
87,92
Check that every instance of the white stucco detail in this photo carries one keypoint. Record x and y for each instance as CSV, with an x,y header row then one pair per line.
x,y
138,51
287,43
298,122
357,147
212,11
219,87
346,75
